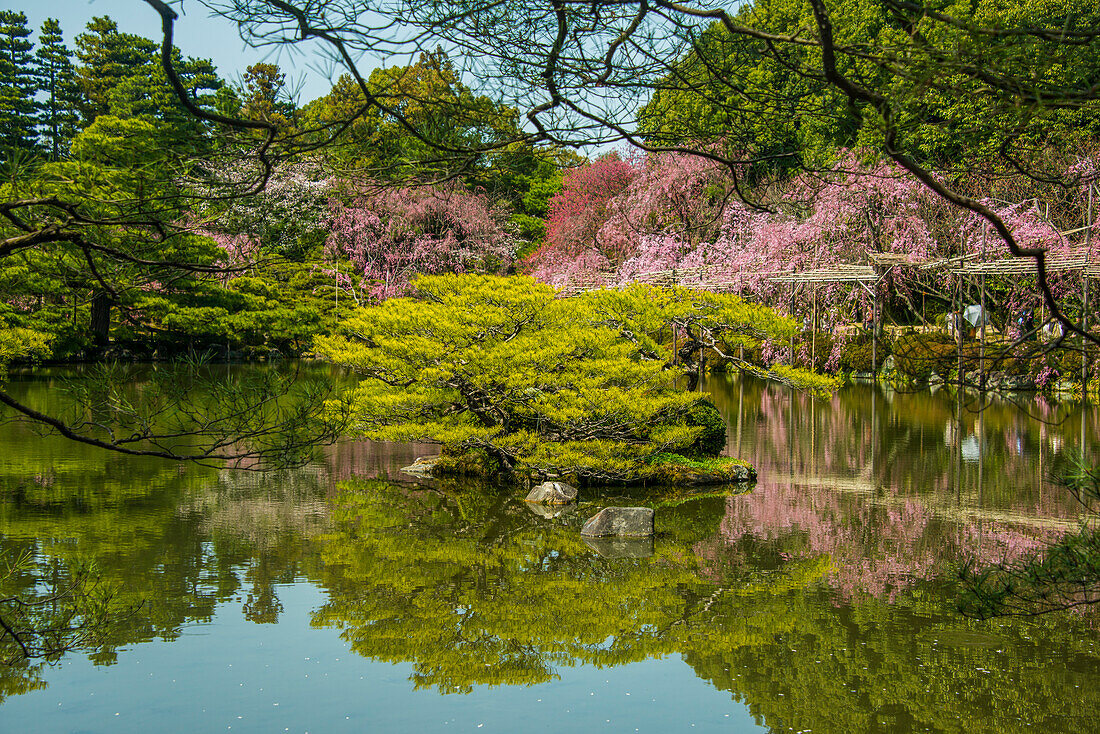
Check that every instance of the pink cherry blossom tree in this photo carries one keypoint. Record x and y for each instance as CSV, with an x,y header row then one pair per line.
x,y
392,234
677,213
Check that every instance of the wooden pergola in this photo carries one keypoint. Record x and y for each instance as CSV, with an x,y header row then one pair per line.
x,y
1078,259
868,276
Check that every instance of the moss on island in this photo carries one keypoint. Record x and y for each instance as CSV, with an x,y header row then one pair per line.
x,y
659,469
675,469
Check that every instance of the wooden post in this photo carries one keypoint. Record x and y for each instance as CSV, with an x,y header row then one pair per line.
x,y
981,346
813,333
790,310
1085,310
959,332
874,328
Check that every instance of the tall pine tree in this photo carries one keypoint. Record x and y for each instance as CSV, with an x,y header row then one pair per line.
x,y
108,57
120,76
18,109
59,111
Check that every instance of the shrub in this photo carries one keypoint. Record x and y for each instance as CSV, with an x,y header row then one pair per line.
x,y
919,355
856,356
712,441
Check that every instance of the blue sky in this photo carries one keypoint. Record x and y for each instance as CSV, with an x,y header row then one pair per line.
x,y
196,35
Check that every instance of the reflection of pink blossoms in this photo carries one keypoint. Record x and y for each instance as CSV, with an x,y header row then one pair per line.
x,y
994,543
873,549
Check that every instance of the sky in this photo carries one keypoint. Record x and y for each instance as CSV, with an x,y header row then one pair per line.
x,y
196,34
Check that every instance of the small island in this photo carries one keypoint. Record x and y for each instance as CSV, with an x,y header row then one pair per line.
x,y
515,381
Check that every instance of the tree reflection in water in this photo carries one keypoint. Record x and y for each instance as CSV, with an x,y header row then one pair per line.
x,y
818,599
474,590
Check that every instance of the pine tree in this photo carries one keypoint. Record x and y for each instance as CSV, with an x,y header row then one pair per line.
x,y
263,92
107,58
17,86
57,79
120,76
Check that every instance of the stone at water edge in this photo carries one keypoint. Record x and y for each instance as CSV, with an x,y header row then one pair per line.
x,y
552,493
422,467
620,521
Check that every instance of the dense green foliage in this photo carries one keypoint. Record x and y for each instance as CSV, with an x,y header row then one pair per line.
x,y
775,102
712,439
173,238
582,385
919,356
18,109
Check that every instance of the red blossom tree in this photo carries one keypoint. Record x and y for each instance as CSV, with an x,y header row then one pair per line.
x,y
576,218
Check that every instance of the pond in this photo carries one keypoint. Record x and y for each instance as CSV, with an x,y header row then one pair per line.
x,y
347,597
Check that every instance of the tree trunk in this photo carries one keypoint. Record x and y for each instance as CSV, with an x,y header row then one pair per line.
x,y
101,321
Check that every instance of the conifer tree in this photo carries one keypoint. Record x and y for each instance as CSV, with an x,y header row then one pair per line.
x,y
108,57
17,86
59,114
263,95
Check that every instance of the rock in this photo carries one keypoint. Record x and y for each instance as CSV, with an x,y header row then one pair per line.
x,y
621,547
422,467
1005,381
620,521
552,493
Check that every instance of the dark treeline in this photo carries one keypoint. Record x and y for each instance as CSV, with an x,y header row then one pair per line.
x,y
183,235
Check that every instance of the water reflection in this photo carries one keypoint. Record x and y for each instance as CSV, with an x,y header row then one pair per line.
x,y
821,599
979,456
474,592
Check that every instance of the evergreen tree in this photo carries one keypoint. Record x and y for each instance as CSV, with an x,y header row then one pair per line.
x,y
108,57
57,79
17,85
120,76
264,93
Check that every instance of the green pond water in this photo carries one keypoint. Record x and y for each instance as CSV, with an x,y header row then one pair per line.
x,y
346,597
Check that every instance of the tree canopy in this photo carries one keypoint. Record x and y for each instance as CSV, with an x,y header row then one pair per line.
x,y
584,385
